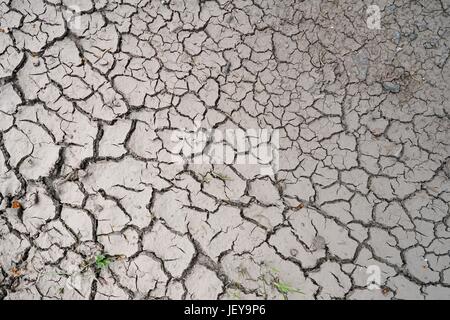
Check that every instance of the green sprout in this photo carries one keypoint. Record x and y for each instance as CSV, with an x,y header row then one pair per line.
x,y
101,262
285,288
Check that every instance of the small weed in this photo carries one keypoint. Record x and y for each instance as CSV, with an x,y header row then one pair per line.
x,y
270,278
243,272
235,295
101,262
285,288
221,176
206,179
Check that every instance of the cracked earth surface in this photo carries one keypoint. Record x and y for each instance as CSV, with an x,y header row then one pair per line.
x,y
86,115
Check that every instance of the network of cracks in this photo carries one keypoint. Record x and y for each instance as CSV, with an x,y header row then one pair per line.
x,y
93,204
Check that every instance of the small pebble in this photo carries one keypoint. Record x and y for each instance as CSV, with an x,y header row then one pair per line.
x,y
16,204
299,206
391,87
412,36
397,36
430,45
227,68
318,243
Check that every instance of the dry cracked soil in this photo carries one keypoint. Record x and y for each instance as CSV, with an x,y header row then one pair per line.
x,y
95,203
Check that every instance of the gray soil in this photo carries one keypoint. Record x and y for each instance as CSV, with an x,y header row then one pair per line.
x,y
92,205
